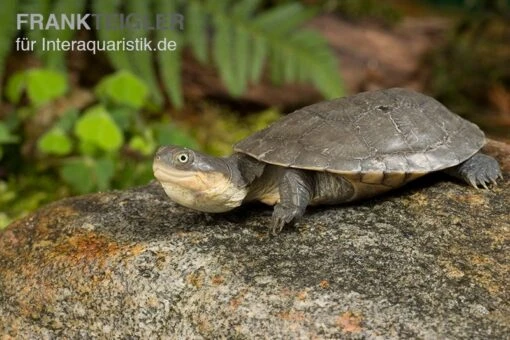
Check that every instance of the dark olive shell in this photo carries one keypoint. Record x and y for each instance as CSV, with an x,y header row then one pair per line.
x,y
386,131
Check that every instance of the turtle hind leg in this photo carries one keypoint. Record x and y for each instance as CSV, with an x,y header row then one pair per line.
x,y
480,169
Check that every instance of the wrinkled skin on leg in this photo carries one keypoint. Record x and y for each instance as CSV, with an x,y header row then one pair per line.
x,y
296,190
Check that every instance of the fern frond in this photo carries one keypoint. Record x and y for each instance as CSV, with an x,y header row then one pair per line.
x,y
142,60
217,5
33,6
241,60
318,61
283,19
7,31
196,35
258,58
243,41
119,59
170,61
223,51
56,59
245,9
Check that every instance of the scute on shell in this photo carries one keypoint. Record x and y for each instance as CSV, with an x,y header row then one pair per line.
x,y
386,131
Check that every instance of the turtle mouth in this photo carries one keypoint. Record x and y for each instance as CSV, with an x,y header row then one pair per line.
x,y
164,174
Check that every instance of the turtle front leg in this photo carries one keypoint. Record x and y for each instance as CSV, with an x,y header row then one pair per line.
x,y
296,189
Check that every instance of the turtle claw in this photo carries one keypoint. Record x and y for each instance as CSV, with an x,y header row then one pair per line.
x,y
277,226
283,216
479,170
480,182
472,181
483,180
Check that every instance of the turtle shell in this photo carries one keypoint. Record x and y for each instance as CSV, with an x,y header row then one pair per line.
x,y
384,132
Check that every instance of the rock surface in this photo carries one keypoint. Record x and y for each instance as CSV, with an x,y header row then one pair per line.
x,y
428,261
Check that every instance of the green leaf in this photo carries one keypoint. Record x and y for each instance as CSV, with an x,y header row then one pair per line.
x,y
55,142
123,117
169,134
98,128
15,86
87,148
44,85
142,145
104,171
68,119
5,135
87,174
123,88
78,174
134,174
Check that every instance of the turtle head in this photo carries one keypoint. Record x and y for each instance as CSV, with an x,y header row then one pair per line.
x,y
198,181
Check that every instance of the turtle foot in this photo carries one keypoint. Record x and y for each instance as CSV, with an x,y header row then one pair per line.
x,y
479,170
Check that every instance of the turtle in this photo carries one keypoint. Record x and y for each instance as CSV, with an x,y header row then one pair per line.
x,y
331,152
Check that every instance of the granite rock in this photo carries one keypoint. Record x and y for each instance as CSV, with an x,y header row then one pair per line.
x,y
430,260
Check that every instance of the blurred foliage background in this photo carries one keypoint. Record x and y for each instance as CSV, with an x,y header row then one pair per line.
x,y
77,122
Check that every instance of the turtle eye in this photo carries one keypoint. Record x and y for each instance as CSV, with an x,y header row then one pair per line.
x,y
183,158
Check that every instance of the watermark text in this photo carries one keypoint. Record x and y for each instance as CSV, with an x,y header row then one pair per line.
x,y
89,21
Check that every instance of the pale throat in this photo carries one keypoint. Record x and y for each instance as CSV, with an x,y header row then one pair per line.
x,y
204,191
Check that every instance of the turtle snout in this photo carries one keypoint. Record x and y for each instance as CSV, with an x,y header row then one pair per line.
x,y
164,154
